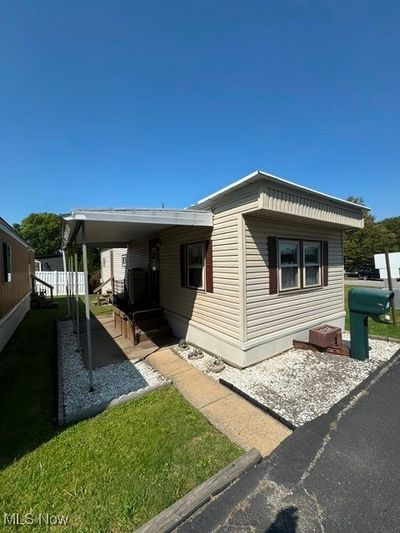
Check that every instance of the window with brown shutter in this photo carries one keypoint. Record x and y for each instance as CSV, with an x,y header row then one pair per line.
x,y
209,267
272,265
325,262
296,264
196,265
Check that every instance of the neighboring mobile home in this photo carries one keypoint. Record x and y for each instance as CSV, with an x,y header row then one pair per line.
x,y
242,272
16,266
113,265
49,263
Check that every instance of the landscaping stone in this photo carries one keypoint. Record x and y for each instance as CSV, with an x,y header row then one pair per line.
x,y
110,382
300,385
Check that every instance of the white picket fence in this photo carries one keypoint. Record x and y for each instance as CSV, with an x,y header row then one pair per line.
x,y
58,280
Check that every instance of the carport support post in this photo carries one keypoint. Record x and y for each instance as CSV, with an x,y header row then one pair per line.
x,y
77,295
66,280
71,277
87,308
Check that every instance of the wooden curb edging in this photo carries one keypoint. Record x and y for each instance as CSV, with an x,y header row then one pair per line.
x,y
383,338
94,410
258,404
60,388
178,512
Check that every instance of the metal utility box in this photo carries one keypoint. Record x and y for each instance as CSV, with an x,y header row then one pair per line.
x,y
365,303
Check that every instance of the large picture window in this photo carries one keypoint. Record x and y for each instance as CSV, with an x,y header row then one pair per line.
x,y
195,265
299,264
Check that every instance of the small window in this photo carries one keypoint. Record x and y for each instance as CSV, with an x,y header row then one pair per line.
x,y
195,265
289,262
124,260
6,260
104,262
312,263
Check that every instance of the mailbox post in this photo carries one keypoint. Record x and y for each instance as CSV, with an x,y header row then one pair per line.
x,y
365,303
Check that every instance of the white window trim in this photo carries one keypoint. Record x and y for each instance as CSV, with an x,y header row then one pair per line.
x,y
319,264
123,260
281,289
188,266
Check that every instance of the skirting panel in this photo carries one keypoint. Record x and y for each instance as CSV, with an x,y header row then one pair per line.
x,y
10,322
240,354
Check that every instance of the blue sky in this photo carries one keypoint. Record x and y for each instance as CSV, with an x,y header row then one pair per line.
x,y
128,103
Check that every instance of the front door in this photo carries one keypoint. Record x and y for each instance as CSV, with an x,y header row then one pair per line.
x,y
154,281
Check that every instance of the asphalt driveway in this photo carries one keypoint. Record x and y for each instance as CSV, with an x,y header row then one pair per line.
x,y
340,472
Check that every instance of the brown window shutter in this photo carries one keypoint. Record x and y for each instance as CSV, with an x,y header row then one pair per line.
x,y
325,262
209,267
272,265
183,264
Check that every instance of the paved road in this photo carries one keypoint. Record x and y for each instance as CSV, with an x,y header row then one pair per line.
x,y
339,473
364,283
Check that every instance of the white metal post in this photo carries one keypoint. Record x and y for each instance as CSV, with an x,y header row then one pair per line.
x,y
66,280
87,307
71,278
77,295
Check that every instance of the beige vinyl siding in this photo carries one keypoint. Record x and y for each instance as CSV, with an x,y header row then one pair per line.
x,y
307,205
218,310
272,313
221,309
119,269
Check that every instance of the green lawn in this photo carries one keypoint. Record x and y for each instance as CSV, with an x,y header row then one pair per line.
x,y
109,473
376,328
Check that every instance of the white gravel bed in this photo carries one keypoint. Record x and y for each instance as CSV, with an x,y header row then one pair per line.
x,y
300,385
109,382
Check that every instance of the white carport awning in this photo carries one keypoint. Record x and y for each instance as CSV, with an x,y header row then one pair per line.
x,y
116,227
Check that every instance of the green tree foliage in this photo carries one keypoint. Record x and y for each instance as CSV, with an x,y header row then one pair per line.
x,y
42,231
93,257
360,245
393,225
356,200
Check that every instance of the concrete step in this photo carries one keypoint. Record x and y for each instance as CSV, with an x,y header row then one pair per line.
x,y
156,333
147,314
151,323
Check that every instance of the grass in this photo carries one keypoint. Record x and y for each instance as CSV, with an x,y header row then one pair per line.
x,y
376,328
109,473
94,308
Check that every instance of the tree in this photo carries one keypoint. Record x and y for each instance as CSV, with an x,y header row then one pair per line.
x,y
360,245
42,231
93,257
356,200
393,225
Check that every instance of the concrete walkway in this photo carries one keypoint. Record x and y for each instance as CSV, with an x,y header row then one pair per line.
x,y
238,419
110,347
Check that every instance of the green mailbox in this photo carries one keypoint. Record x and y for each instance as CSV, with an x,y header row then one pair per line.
x,y
365,303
